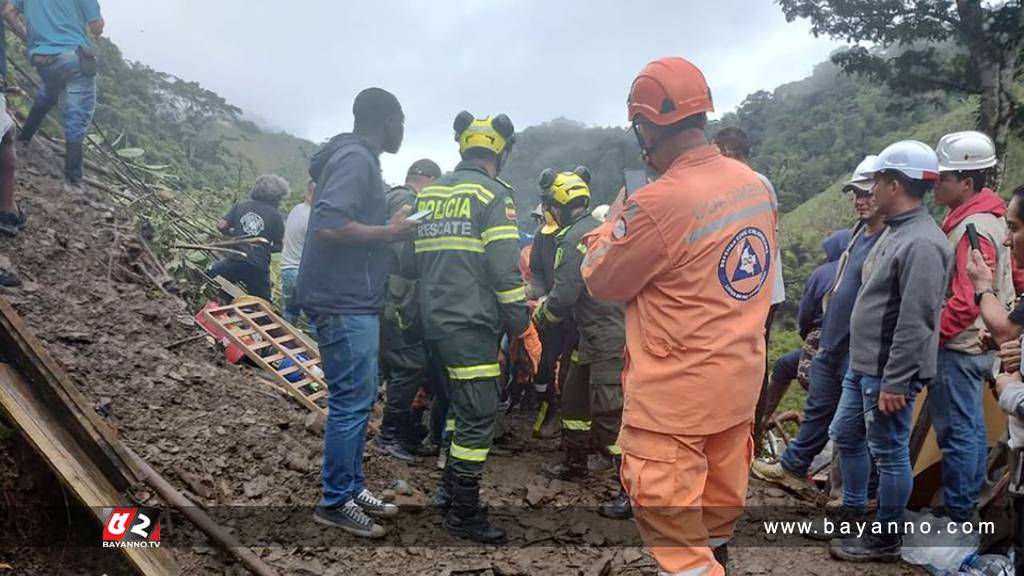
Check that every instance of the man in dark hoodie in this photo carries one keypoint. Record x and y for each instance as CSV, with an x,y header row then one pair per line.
x,y
820,282
955,394
811,312
797,364
341,287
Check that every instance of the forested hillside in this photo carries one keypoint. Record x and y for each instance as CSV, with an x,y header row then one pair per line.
x,y
565,144
809,133
177,133
806,136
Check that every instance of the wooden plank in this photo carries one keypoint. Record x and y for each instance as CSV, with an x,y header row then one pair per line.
x,y
289,370
62,398
237,319
291,354
229,288
72,464
264,310
255,345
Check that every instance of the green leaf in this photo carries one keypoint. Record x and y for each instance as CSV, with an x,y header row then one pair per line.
x,y
131,153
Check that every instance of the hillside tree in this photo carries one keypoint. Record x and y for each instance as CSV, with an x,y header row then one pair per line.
x,y
957,46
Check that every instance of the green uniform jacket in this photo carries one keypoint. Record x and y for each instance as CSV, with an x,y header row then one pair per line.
x,y
602,324
400,305
467,256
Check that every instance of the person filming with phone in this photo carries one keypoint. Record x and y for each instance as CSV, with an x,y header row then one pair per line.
x,y
1005,329
974,222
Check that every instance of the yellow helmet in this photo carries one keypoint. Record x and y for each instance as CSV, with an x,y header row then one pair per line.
x,y
564,187
496,134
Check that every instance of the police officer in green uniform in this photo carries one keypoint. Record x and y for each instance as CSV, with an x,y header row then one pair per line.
x,y
403,352
470,293
592,396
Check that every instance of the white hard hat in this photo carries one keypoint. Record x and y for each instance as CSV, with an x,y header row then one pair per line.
x,y
601,212
915,160
963,151
862,178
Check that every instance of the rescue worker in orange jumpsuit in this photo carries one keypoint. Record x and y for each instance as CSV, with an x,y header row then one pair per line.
x,y
691,256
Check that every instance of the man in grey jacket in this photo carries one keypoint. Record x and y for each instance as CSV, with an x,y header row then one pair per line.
x,y
894,336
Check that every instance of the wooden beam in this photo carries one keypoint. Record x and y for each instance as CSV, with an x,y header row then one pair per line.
x,y
75,468
63,402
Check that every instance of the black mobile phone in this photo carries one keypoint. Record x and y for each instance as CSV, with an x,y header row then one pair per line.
x,y
635,180
972,237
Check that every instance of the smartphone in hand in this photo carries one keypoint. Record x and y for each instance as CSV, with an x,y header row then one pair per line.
x,y
420,216
635,180
972,237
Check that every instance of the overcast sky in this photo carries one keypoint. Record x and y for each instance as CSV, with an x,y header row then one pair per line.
x,y
297,65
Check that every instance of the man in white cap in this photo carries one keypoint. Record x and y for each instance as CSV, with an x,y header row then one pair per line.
x,y
955,394
894,340
832,360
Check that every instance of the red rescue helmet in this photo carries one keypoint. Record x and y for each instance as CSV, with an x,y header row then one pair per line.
x,y
668,90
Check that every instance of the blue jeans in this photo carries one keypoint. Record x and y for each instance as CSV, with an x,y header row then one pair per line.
x,y
290,309
958,416
827,373
861,437
64,78
349,346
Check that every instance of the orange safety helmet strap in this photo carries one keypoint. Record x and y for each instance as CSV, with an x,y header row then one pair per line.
x,y
669,90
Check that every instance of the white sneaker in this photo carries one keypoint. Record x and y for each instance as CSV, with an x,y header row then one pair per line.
x,y
776,474
375,506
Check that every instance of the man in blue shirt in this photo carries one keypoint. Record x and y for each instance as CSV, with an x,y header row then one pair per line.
x,y
57,35
830,364
341,287
12,219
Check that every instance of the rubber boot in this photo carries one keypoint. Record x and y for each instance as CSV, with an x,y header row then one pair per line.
x,y
73,166
442,498
534,397
413,435
722,556
389,438
547,424
467,518
32,124
618,508
573,467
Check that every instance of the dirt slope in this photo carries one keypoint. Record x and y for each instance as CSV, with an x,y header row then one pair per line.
x,y
226,437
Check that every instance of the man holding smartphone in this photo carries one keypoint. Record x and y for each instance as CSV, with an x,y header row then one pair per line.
x,y
974,220
341,287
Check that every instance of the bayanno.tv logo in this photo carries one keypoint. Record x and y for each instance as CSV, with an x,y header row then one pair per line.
x,y
131,528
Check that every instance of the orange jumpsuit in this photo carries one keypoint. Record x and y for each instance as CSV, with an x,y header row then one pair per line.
x,y
690,254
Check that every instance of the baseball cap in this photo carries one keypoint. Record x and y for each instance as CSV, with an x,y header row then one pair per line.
x,y
862,179
425,167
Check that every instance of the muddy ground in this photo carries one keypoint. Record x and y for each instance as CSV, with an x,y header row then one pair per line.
x,y
228,438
